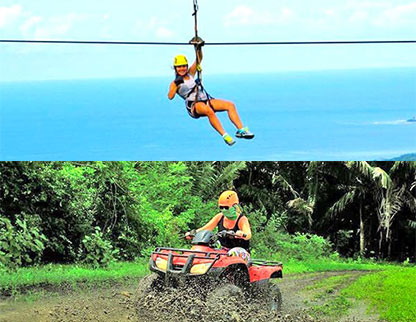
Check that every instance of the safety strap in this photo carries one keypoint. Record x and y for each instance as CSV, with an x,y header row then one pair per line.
x,y
198,87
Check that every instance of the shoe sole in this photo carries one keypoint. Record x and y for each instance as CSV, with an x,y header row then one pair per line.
x,y
248,137
230,144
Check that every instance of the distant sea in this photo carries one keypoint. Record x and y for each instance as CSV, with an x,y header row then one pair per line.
x,y
325,115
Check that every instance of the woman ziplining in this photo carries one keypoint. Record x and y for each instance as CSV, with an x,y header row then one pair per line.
x,y
199,103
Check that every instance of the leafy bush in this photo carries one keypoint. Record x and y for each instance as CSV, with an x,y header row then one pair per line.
x,y
19,244
95,250
273,240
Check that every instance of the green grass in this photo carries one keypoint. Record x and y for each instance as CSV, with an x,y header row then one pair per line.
x,y
391,293
325,265
328,285
336,307
53,274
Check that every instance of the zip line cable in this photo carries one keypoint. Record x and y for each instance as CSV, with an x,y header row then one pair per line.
x,y
255,43
194,41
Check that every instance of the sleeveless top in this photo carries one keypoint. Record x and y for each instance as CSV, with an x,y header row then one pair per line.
x,y
187,90
232,242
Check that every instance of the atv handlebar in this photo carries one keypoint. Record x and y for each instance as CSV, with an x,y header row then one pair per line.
x,y
222,234
229,233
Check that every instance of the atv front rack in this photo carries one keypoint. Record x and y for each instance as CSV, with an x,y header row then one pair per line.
x,y
170,254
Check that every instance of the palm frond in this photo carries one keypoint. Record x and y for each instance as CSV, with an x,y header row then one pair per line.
x,y
313,182
361,167
302,207
203,174
413,186
284,184
226,176
412,223
410,165
342,203
383,178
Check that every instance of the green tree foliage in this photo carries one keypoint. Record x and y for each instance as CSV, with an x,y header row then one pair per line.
x,y
97,211
95,250
20,243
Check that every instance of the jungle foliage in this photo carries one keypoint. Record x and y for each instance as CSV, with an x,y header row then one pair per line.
x,y
94,212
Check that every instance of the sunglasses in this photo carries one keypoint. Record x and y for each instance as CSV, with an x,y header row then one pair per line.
x,y
225,207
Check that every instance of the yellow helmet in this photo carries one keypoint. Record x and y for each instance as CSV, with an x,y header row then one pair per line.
x,y
228,198
180,60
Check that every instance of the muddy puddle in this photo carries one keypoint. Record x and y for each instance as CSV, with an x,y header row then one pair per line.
x,y
128,303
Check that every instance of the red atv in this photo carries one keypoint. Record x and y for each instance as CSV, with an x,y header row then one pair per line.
x,y
224,274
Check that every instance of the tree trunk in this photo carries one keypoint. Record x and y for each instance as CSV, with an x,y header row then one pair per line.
x,y
362,236
389,239
380,244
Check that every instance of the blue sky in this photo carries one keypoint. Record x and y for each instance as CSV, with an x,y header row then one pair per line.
x,y
171,20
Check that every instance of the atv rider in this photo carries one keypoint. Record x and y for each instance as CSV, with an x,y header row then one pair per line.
x,y
230,218
186,86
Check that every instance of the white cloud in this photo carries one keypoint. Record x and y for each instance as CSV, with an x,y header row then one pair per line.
x,y
162,32
40,28
358,16
29,24
243,15
382,13
368,5
329,12
152,26
398,15
9,14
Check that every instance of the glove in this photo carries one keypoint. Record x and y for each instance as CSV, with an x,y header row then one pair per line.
x,y
190,234
179,80
240,234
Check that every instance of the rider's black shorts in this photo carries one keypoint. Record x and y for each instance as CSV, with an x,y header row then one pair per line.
x,y
189,105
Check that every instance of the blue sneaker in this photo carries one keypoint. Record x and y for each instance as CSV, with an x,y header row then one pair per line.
x,y
244,133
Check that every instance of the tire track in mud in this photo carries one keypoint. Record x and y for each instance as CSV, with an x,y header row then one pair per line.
x,y
300,292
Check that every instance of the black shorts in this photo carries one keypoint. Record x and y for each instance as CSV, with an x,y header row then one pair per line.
x,y
189,105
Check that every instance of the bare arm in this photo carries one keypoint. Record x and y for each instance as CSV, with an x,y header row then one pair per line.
x,y
212,223
244,227
172,90
193,68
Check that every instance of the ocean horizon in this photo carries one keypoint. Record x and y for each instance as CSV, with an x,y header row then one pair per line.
x,y
314,115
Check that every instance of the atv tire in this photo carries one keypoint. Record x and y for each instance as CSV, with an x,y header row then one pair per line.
x,y
275,298
267,298
149,284
225,303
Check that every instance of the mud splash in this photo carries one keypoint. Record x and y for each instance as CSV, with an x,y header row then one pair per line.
x,y
200,303
126,303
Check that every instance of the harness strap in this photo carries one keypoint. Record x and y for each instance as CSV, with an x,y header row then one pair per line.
x,y
198,87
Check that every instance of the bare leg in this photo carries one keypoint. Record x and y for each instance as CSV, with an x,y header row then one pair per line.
x,y
203,109
221,105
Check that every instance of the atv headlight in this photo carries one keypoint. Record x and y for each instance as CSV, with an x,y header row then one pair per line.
x,y
199,269
161,263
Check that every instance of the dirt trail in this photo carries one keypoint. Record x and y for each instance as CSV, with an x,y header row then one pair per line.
x,y
301,294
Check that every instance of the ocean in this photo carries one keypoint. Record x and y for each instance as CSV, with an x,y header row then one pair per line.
x,y
315,115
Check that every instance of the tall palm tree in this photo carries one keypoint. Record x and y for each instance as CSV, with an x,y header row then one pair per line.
x,y
358,188
303,202
211,178
389,190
